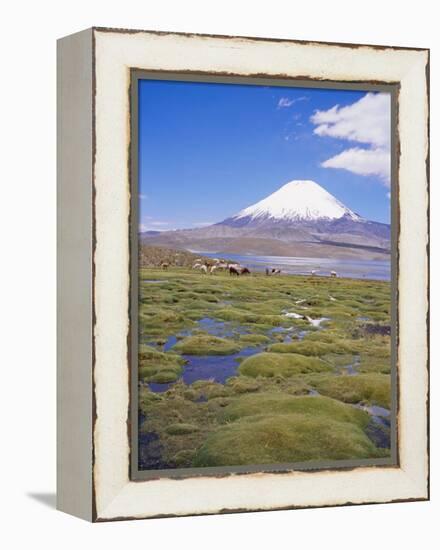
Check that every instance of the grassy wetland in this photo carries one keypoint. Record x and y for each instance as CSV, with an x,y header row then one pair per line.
x,y
261,370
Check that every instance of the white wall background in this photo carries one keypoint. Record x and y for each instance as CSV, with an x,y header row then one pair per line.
x,y
27,289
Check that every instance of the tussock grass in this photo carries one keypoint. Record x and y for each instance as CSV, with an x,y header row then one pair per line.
x,y
183,458
281,364
371,363
243,384
338,360
208,389
147,399
263,414
283,439
246,317
372,389
313,348
205,344
181,429
253,339
159,367
281,403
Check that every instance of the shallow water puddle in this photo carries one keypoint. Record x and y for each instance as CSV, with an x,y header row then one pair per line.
x,y
150,450
378,430
288,332
221,329
205,367
216,367
352,369
159,388
208,367
375,410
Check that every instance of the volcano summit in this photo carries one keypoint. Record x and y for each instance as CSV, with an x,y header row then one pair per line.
x,y
295,202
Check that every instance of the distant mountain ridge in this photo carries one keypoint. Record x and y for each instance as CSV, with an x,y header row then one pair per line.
x,y
299,219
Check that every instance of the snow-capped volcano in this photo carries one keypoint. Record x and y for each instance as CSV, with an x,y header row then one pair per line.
x,y
297,200
299,219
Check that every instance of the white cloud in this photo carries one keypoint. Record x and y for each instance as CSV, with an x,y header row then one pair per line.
x,y
144,227
149,224
202,224
288,102
285,102
365,162
142,196
367,121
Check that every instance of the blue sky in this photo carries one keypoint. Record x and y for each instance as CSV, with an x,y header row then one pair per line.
x,y
208,150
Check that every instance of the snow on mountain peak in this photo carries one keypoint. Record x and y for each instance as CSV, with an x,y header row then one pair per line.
x,y
298,200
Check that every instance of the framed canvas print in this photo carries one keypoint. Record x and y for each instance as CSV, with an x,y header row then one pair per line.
x,y
242,276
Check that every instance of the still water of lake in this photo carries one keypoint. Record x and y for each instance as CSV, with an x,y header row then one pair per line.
x,y
356,269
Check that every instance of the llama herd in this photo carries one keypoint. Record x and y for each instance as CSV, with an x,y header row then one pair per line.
x,y
220,265
234,269
237,269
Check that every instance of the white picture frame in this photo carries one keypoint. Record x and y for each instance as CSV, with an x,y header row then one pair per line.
x,y
94,68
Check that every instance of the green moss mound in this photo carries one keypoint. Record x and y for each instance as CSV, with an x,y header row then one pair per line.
x,y
283,439
157,321
253,339
181,429
338,360
165,376
373,389
264,414
208,389
313,348
205,344
370,363
156,366
247,317
183,458
281,364
242,384
147,399
281,403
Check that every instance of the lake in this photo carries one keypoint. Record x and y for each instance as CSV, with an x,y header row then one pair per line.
x,y
357,269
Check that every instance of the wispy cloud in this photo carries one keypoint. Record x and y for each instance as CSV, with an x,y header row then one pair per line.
x,y
144,227
142,196
202,224
366,121
285,102
148,224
